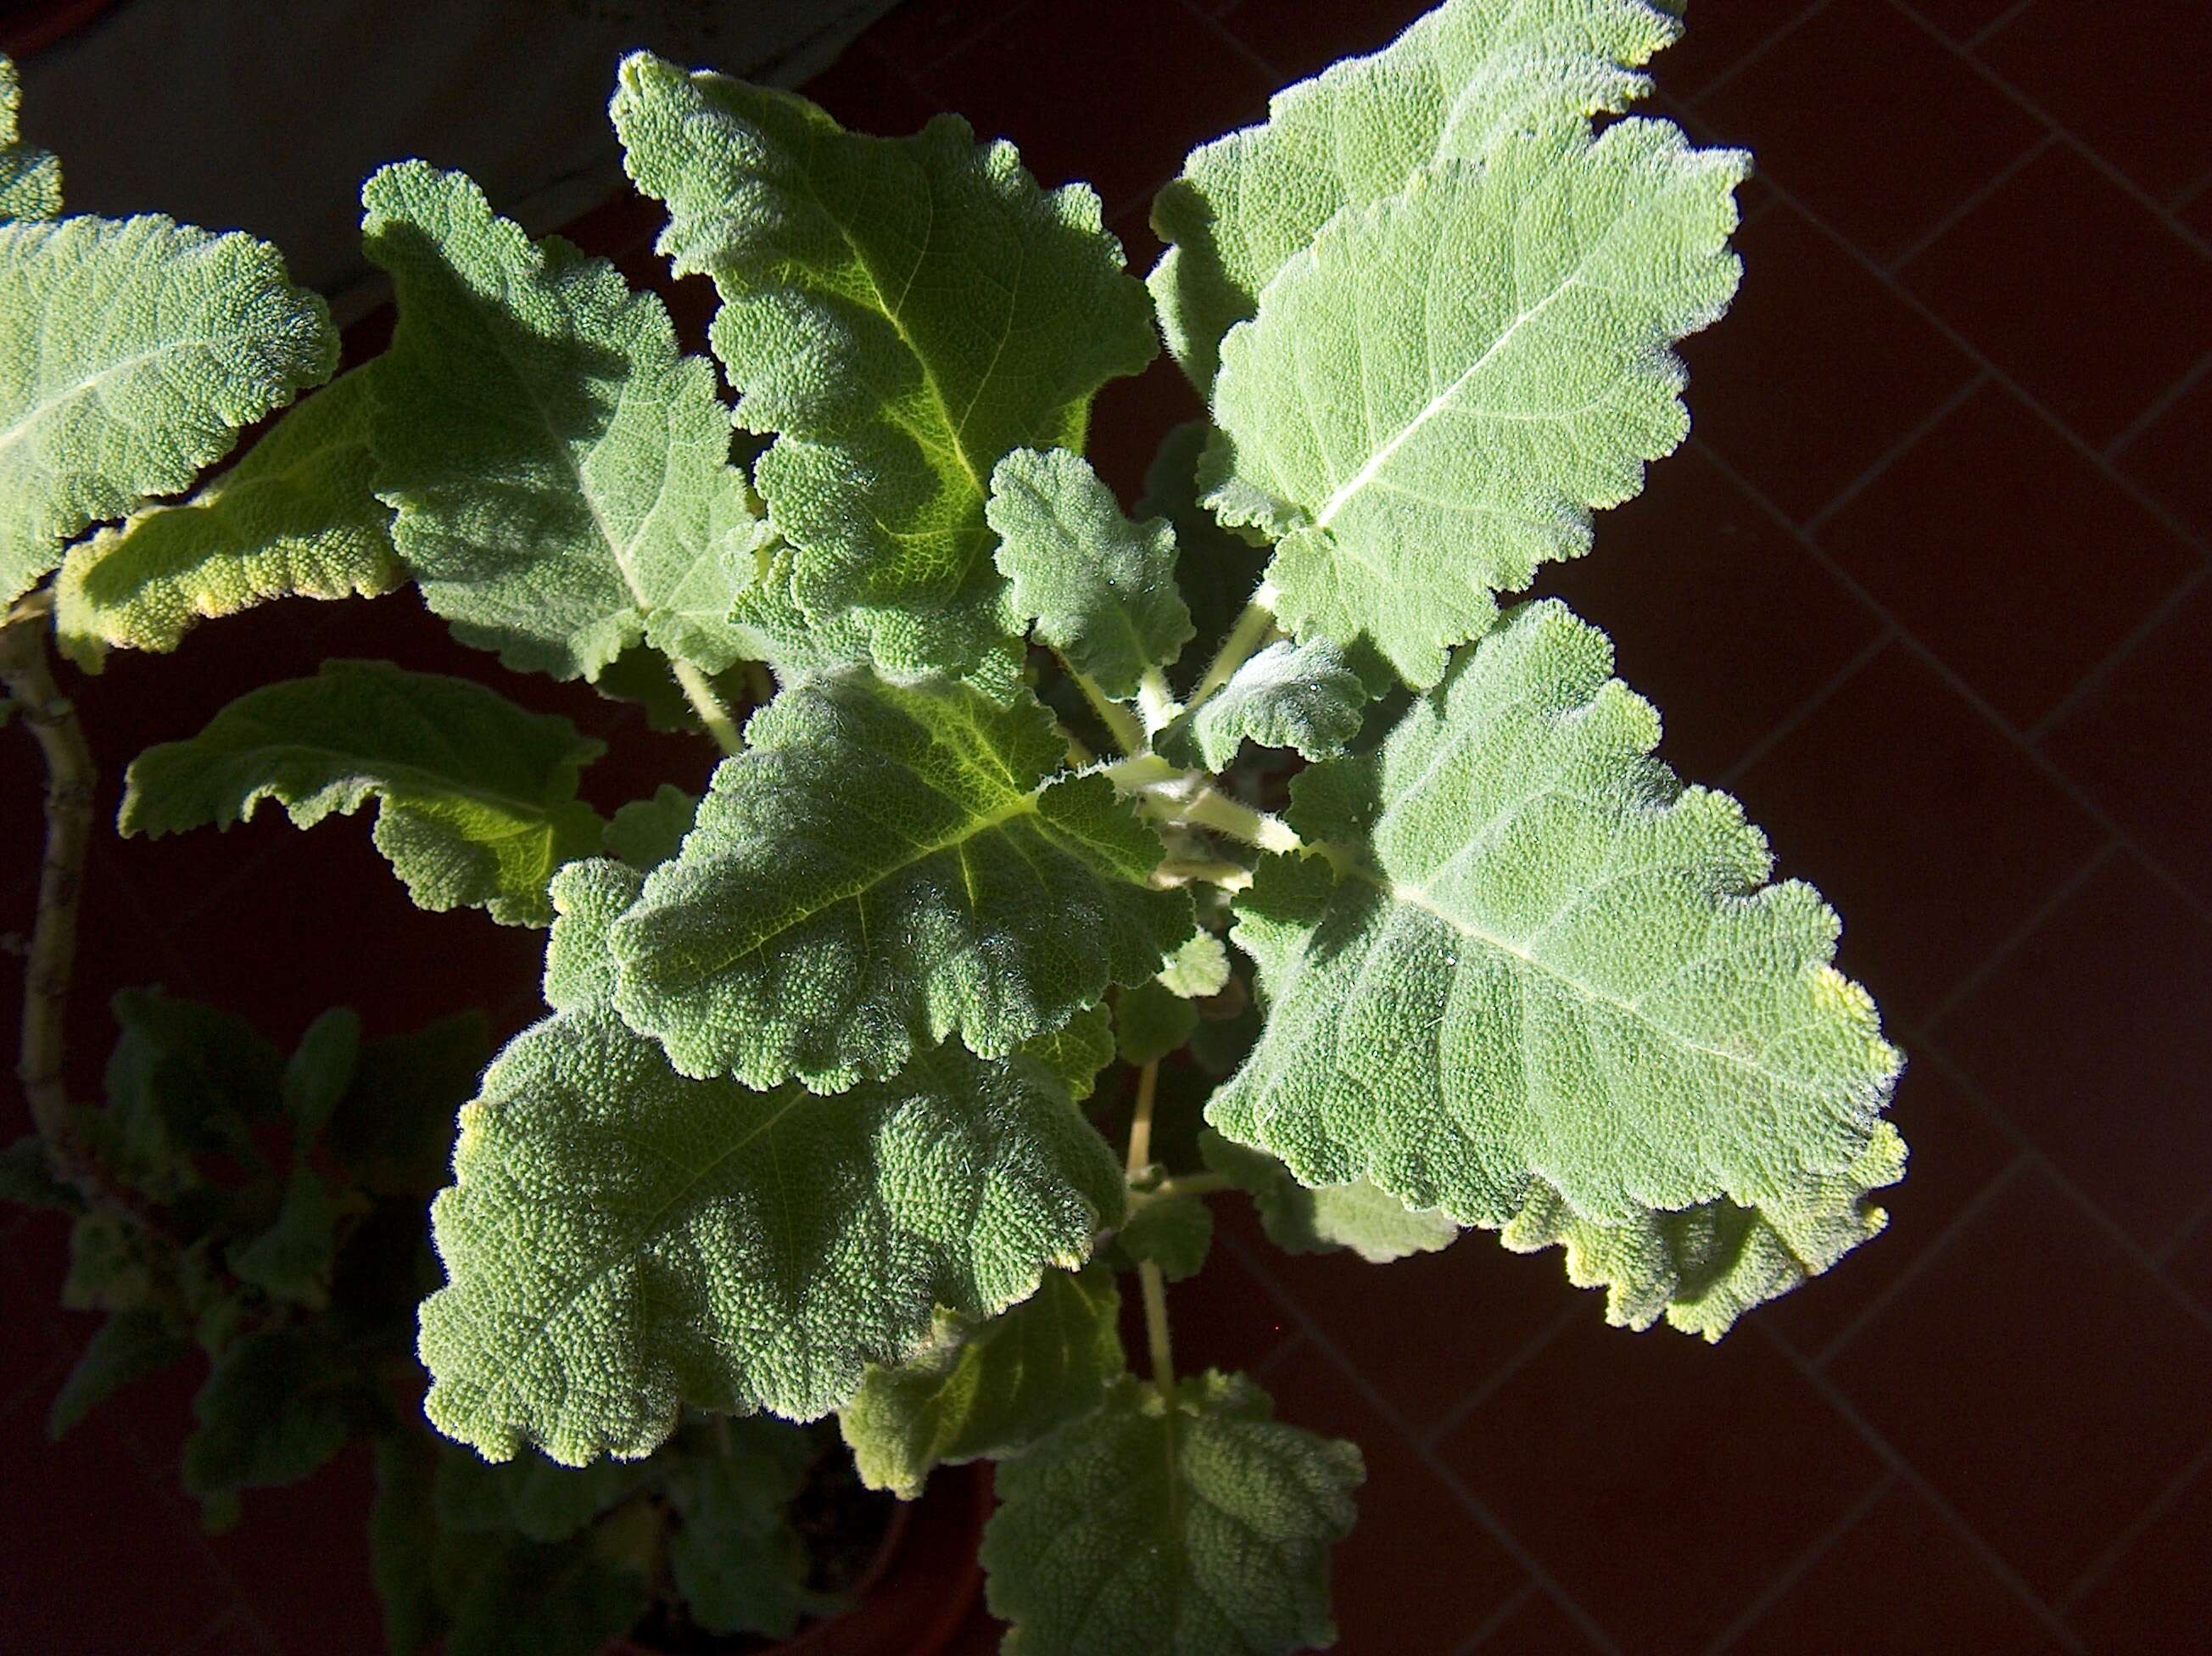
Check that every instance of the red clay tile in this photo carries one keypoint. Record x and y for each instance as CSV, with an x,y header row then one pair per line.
x,y
2075,289
2095,1037
1663,1481
1816,371
1130,417
2135,744
1116,95
2040,1379
2167,458
2157,1597
1903,1581
1956,1152
2126,79
1964,539
1718,614
1419,1571
1223,1318
32,1357
1302,40
2191,1263
1716,43
1962,20
920,34
1932,834
1901,132
301,1557
867,92
1538,1627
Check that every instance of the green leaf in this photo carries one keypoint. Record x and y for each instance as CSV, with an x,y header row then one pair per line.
x,y
291,1260
1194,1530
1101,589
402,1540
509,1596
646,833
1216,569
1077,1051
1174,1233
882,867
739,1564
393,1132
902,313
1434,396
561,473
130,1346
183,1081
109,1269
987,1390
476,799
1371,1222
1150,1021
1200,968
1546,959
134,351
319,1071
531,1496
30,178
1289,695
297,516
277,1404
28,1179
696,1242
1471,77
1703,1269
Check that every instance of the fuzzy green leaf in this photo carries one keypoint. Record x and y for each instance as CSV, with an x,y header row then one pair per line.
x,y
319,1071
1101,589
1371,1222
1546,959
135,349
740,1567
1150,1021
696,1242
1188,1531
1299,696
1472,76
476,798
529,1495
291,1260
296,517
1174,1233
1434,396
562,474
987,1390
276,1404
130,1346
901,313
1077,1051
646,833
393,1132
1198,969
30,178
882,868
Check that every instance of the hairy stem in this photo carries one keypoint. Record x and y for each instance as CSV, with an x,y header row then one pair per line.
x,y
1121,724
1140,1122
1230,876
1251,631
712,711
1150,1283
1188,799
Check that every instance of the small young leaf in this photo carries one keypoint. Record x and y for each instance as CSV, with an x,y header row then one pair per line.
x,y
1545,957
319,1071
617,515
1471,429
646,833
393,1132
990,1389
1371,1222
130,1346
1469,77
1300,696
1201,1527
1150,1021
1174,1233
134,351
476,798
296,517
108,1268
882,867
183,1081
277,1404
530,1496
1198,969
30,178
1077,1051
739,1565
1101,589
902,313
291,1260
1216,569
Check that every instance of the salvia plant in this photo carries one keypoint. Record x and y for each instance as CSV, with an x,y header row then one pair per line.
x,y
813,1122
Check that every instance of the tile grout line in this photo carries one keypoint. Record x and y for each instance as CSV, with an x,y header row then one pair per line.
x,y
1896,450
2056,899
2182,1234
1798,1567
1497,1618
1757,50
1964,1216
1905,1470
1997,25
2065,134
2113,658
2191,190
1884,636
1967,693
1974,198
2159,404
2116,1548
1505,1371
1511,1544
1235,42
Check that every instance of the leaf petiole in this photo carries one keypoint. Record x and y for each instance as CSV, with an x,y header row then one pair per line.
x,y
1151,1284
713,712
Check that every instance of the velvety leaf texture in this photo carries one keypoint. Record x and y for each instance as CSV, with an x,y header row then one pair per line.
x,y
884,867
697,1242
1101,589
1174,1233
297,517
1304,697
129,1347
1371,1222
1189,1531
30,178
646,833
135,349
1469,77
476,798
1076,1052
1546,959
987,1390
901,313
1435,394
561,473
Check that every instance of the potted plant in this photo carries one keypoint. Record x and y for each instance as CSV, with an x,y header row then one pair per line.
x,y
998,850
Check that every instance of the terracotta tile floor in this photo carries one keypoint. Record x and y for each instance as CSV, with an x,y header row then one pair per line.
x,y
1927,587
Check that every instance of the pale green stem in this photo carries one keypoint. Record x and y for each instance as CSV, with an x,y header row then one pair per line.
x,y
1156,702
1121,724
709,707
1153,1286
1140,1122
1251,631
1230,876
1188,1184
1211,808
